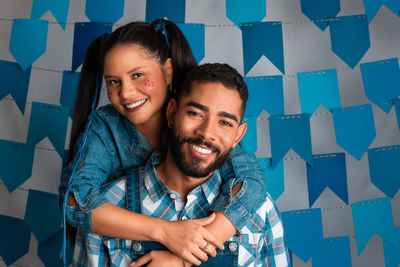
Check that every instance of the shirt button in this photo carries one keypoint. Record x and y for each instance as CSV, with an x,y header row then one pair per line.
x,y
172,195
184,218
232,246
137,247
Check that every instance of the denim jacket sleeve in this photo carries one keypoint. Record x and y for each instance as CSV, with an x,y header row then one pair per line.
x,y
242,167
97,163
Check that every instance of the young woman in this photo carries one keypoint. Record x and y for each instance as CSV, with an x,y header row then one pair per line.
x,y
142,64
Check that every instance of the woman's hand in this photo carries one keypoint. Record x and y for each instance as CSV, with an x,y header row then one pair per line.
x,y
189,240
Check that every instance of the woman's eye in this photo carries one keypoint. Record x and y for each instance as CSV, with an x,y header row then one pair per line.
x,y
137,75
113,82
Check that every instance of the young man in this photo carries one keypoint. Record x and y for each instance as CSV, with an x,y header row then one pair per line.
x,y
205,123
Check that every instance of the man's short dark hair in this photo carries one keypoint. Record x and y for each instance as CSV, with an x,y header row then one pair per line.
x,y
216,72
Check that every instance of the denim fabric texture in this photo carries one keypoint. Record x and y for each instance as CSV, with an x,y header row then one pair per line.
x,y
259,243
114,146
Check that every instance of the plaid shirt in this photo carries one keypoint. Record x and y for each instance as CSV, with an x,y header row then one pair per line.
x,y
260,242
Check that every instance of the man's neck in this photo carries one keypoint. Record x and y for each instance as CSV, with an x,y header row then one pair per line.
x,y
175,179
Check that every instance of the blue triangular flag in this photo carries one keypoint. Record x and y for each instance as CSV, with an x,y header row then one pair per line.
x,y
370,217
274,177
195,34
16,163
328,170
249,140
265,93
319,11
69,89
15,239
333,252
384,169
239,11
59,9
30,32
48,121
318,88
290,132
85,33
397,106
43,214
381,81
372,7
49,250
15,82
262,38
350,38
104,10
173,10
354,128
391,252
303,231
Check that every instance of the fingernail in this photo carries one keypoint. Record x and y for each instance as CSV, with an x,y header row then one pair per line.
x,y
133,264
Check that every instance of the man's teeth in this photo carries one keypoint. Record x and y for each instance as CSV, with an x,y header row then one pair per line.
x,y
202,150
136,104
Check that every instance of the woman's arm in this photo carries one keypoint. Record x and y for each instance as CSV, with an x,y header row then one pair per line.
x,y
222,228
184,238
242,168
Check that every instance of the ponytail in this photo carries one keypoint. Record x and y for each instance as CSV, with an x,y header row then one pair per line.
x,y
180,53
89,78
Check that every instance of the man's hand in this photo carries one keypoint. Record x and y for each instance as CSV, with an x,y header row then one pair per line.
x,y
159,259
189,240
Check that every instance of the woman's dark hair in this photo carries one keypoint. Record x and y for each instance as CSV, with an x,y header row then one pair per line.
x,y
153,41
147,36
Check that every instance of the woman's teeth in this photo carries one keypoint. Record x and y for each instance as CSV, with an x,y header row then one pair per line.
x,y
136,104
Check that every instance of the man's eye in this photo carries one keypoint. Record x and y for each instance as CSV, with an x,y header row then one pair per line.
x,y
194,113
226,123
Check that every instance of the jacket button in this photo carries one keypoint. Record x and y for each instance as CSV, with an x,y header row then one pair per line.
x,y
137,247
232,246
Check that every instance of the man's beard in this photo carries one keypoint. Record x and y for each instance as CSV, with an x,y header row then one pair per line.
x,y
194,169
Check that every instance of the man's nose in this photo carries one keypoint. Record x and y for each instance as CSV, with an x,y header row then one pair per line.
x,y
207,129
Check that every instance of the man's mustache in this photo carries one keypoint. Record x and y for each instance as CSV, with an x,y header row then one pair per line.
x,y
199,141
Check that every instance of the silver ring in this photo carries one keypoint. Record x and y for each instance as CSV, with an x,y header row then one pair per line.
x,y
206,246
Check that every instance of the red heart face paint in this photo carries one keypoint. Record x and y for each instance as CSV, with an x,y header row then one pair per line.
x,y
136,84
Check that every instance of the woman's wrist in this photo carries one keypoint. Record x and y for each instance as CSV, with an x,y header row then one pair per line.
x,y
158,232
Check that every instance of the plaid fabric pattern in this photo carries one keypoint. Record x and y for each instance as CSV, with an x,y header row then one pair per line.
x,y
260,242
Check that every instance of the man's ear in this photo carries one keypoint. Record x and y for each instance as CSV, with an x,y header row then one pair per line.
x,y
169,70
240,133
171,111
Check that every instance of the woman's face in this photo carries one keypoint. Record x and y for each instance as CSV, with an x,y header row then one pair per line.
x,y
136,82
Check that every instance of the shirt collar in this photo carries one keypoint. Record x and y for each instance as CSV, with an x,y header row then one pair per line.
x,y
157,189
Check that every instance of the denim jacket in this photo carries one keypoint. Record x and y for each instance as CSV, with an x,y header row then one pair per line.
x,y
114,146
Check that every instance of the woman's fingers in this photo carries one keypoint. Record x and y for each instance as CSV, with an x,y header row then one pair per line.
x,y
208,237
206,220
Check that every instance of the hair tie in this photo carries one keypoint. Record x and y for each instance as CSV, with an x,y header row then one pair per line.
x,y
159,25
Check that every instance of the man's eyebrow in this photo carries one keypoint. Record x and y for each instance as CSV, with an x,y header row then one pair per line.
x,y
228,115
196,105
